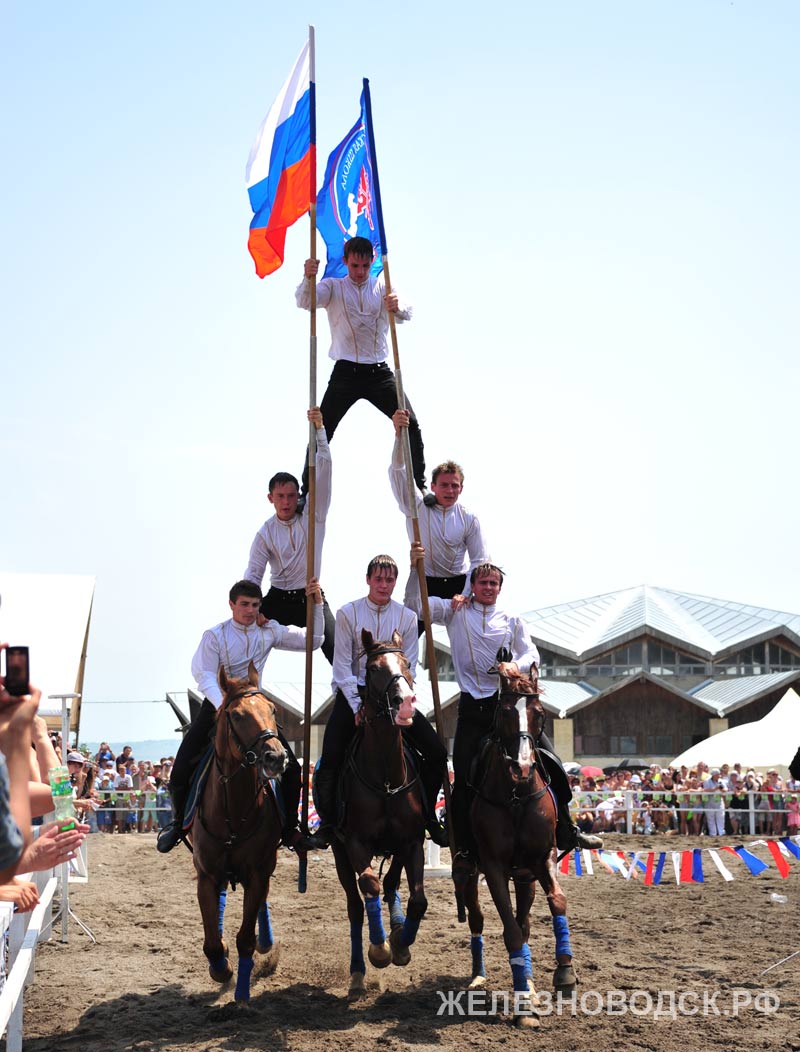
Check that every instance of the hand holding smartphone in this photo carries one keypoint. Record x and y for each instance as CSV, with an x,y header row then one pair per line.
x,y
18,672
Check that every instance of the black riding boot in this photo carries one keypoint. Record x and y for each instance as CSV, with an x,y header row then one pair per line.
x,y
325,802
569,837
432,783
171,834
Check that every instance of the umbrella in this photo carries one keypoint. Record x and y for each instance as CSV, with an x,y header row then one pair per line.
x,y
571,767
592,772
630,763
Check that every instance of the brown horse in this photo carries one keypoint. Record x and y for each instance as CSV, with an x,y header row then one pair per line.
x,y
513,817
384,816
237,829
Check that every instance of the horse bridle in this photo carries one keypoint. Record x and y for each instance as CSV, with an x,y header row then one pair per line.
x,y
520,735
383,701
253,753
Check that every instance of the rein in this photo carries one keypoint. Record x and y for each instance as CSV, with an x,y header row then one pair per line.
x,y
495,745
384,707
252,756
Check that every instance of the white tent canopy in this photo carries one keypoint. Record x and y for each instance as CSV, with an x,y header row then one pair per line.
x,y
50,613
769,742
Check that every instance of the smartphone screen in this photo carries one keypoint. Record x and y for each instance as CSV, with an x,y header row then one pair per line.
x,y
18,672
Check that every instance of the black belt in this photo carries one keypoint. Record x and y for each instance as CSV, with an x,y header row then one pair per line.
x,y
290,593
491,700
345,365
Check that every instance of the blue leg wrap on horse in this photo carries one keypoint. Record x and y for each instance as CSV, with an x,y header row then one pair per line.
x,y
526,953
264,928
476,949
396,915
242,992
517,961
410,929
223,898
377,934
561,929
356,950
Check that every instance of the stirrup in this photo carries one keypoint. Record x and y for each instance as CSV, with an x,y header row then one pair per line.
x,y
170,836
437,831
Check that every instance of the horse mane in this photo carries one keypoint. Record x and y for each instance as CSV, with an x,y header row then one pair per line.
x,y
519,683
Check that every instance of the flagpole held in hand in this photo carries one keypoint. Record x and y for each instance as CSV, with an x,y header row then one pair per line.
x,y
412,502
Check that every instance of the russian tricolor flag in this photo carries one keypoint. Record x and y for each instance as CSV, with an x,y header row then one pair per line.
x,y
280,168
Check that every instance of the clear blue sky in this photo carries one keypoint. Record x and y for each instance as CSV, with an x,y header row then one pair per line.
x,y
592,208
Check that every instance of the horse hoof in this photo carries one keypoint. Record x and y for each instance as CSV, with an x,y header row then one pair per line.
x,y
564,978
527,1022
478,982
380,955
358,988
221,975
400,954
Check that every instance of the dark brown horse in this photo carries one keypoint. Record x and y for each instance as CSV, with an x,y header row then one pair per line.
x,y
236,832
513,817
384,816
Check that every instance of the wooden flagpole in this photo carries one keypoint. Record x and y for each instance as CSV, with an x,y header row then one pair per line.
x,y
312,461
412,501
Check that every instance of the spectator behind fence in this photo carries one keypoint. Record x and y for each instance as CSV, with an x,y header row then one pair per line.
x,y
21,750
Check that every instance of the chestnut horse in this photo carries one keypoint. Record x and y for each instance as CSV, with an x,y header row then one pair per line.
x,y
384,816
513,818
237,828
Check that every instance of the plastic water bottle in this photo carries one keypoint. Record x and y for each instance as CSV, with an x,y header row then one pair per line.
x,y
61,788
780,899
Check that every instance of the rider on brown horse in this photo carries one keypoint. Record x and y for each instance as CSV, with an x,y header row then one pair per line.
x,y
378,614
234,644
477,631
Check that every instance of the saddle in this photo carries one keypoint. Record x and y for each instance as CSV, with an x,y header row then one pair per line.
x,y
344,780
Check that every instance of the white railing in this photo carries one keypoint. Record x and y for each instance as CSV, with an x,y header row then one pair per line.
x,y
23,934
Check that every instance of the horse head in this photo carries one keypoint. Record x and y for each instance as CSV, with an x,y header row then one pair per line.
x,y
247,730
389,686
519,717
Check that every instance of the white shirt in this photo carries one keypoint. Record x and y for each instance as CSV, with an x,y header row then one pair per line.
x,y
476,634
235,646
449,534
356,314
284,544
349,658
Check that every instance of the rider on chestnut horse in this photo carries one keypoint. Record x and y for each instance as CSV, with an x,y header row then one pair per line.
x,y
378,614
477,631
233,644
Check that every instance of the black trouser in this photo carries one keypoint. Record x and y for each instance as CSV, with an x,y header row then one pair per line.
x,y
194,744
341,727
475,721
350,382
288,607
443,588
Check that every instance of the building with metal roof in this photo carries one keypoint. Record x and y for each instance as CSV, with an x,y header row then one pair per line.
x,y
651,671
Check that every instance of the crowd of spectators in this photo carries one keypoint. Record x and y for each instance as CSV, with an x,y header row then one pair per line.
x,y
27,756
703,800
119,793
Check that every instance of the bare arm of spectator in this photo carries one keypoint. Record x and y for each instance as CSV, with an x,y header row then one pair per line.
x,y
46,755
16,717
52,847
23,893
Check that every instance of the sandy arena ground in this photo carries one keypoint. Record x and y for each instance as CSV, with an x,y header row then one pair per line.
x,y
145,984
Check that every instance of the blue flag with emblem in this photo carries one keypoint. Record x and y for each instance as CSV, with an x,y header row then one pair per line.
x,y
348,205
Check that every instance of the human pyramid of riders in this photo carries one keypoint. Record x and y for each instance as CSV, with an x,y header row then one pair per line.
x,y
455,554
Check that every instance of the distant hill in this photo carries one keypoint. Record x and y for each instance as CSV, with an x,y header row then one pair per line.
x,y
143,750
